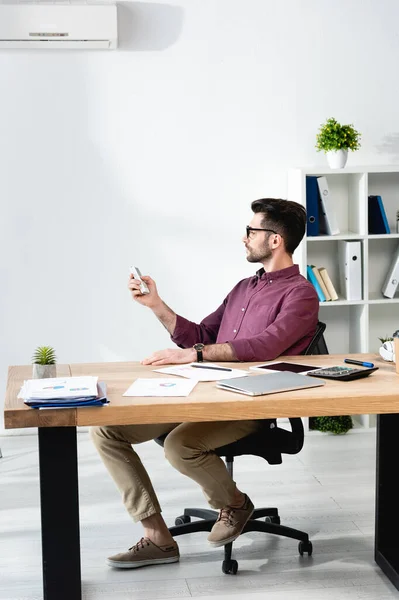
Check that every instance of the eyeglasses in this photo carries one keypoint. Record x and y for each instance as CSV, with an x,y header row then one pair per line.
x,y
251,229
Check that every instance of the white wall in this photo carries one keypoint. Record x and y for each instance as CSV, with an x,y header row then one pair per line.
x,y
153,153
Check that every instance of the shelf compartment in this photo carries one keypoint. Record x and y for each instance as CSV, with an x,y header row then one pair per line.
x,y
380,256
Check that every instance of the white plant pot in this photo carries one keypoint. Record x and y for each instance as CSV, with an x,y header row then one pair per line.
x,y
337,158
44,371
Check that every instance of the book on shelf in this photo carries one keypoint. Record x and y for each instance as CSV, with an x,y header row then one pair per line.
x,y
312,278
392,279
328,283
321,283
378,222
312,206
328,223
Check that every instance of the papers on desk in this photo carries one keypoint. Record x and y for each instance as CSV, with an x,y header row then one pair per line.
x,y
63,392
160,387
205,372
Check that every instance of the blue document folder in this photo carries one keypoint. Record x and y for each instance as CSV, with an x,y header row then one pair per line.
x,y
378,222
312,206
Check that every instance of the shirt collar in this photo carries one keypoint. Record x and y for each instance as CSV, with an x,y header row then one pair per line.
x,y
281,274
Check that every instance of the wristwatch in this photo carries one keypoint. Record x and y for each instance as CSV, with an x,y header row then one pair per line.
x,y
199,348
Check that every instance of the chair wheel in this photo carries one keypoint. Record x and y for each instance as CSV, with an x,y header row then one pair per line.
x,y
275,520
230,567
305,547
182,520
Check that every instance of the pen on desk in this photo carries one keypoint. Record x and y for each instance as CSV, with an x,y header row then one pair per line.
x,y
350,361
210,367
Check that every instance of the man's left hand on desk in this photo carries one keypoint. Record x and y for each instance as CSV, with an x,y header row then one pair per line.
x,y
171,356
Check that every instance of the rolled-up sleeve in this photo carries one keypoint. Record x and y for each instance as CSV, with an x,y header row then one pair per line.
x,y
187,333
297,317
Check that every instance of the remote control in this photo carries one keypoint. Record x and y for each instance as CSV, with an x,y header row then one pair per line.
x,y
135,271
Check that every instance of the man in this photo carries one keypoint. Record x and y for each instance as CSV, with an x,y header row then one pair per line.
x,y
272,313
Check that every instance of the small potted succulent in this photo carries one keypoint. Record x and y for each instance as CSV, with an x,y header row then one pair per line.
x,y
335,140
44,362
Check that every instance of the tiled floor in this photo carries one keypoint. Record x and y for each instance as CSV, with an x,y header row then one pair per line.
x,y
327,490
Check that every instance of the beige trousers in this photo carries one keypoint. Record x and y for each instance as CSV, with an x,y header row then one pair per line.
x,y
189,448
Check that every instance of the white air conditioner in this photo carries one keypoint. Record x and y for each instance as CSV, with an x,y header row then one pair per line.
x,y
61,26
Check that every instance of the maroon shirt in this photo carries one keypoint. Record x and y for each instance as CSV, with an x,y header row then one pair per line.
x,y
263,317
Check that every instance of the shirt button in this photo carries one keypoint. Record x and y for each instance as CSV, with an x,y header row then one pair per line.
x,y
234,330
271,281
243,309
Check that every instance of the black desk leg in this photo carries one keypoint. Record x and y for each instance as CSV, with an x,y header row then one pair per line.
x,y
386,502
59,497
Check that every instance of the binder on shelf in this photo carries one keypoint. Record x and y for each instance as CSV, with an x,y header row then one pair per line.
x,y
312,206
391,282
378,222
321,283
313,280
350,269
328,283
327,217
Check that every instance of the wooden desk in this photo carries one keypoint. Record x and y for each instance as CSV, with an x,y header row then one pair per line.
x,y
377,394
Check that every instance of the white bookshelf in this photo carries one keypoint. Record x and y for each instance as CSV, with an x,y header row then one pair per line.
x,y
354,326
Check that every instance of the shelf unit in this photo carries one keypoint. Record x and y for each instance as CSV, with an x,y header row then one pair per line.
x,y
354,326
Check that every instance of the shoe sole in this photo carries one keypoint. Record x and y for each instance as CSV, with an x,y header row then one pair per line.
x,y
232,538
141,563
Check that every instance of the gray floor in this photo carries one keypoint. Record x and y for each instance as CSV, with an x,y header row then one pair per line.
x,y
327,490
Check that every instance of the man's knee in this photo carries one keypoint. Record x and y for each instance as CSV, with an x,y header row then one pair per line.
x,y
100,434
96,435
180,448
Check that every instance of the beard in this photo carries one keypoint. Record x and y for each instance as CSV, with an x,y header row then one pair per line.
x,y
260,255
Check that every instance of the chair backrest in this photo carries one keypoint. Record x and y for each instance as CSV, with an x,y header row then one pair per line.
x,y
317,344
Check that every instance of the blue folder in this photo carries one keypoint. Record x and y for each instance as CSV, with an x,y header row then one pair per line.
x,y
313,280
312,206
378,222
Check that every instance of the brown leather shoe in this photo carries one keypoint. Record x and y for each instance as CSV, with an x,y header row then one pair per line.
x,y
230,523
145,553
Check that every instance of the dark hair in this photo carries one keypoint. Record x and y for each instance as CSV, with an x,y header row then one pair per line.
x,y
286,217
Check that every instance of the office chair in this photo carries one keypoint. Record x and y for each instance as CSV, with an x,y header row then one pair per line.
x,y
268,442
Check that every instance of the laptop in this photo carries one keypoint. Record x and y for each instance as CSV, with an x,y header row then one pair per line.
x,y
272,383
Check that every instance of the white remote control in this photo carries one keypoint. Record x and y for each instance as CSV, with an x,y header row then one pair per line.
x,y
135,271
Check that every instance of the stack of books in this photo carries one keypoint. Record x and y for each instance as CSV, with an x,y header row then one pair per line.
x,y
63,392
322,283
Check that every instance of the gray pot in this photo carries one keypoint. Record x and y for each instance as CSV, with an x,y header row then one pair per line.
x,y
44,371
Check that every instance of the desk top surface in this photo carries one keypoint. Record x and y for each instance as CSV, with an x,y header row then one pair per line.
x,y
378,393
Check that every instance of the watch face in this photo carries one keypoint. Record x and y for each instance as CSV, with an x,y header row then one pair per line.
x,y
199,346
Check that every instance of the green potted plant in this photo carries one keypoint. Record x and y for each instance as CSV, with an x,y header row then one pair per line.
x,y
332,424
335,140
44,362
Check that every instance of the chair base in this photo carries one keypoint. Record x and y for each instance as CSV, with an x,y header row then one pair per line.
x,y
271,524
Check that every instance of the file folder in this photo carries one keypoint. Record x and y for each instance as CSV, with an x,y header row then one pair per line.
x,y
392,279
327,217
312,206
350,269
378,222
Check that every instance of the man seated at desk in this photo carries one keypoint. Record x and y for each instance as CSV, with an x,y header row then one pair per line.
x,y
272,313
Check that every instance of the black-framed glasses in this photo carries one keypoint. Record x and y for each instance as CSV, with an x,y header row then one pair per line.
x,y
249,229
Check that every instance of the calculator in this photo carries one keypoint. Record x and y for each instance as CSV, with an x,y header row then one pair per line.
x,y
342,373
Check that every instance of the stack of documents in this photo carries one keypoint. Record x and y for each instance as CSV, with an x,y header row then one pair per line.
x,y
63,392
